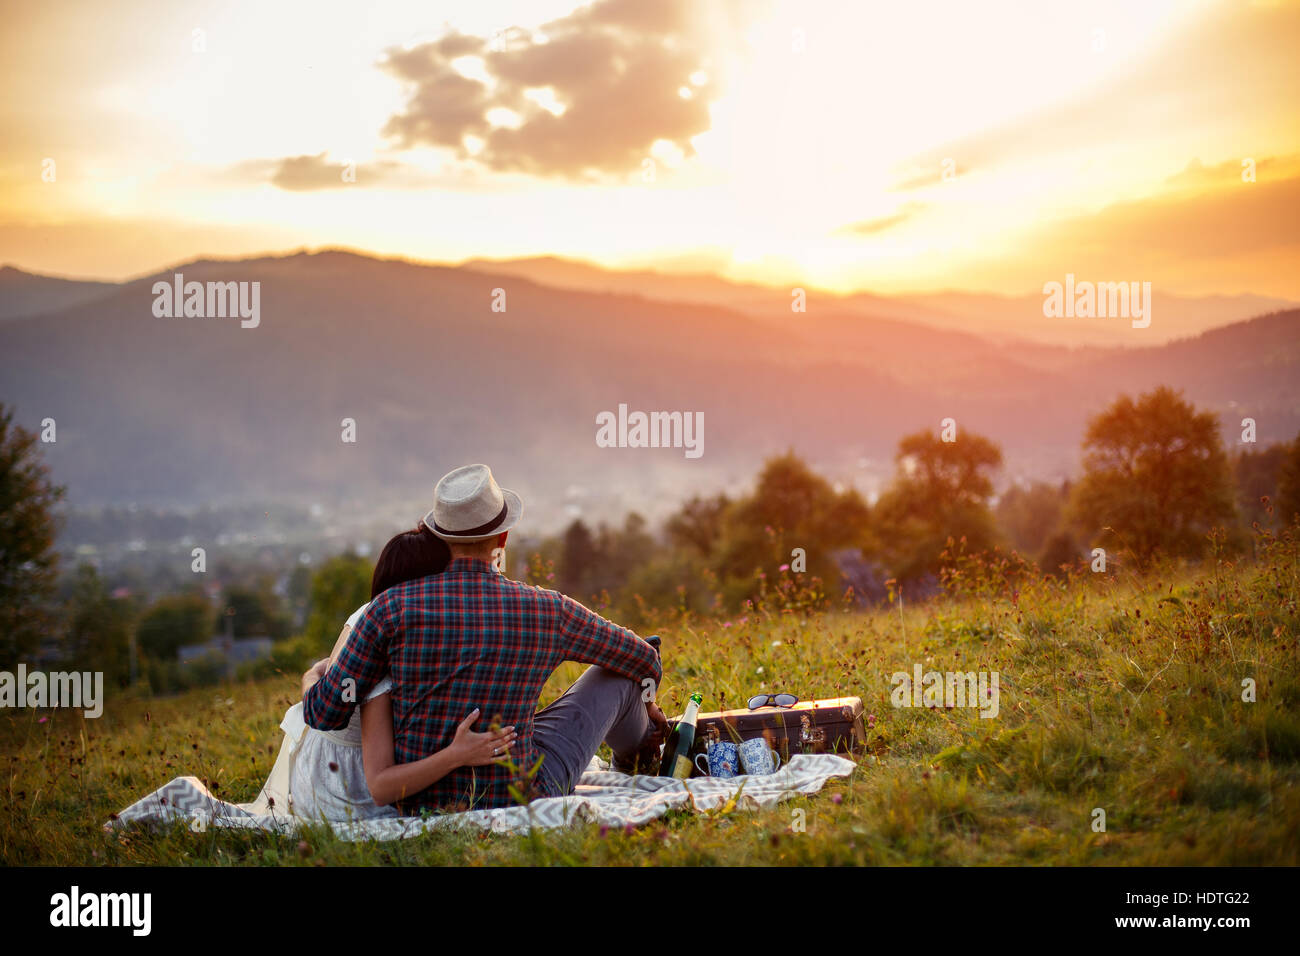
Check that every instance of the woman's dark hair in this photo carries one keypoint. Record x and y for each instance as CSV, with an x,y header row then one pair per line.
x,y
407,557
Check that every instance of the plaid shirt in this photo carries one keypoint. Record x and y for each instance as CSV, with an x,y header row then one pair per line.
x,y
468,637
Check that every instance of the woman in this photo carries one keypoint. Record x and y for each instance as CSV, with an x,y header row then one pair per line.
x,y
350,774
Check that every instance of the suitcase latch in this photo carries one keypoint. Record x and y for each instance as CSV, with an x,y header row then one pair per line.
x,y
811,738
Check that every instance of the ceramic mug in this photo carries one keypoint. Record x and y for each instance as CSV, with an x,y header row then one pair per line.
x,y
723,759
757,757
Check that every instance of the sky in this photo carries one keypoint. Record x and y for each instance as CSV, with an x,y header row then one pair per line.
x,y
862,145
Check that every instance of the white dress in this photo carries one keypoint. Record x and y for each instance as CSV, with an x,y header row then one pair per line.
x,y
319,773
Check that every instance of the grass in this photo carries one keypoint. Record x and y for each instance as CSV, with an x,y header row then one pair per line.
x,y
1117,695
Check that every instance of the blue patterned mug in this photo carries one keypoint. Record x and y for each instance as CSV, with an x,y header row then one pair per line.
x,y
757,757
723,759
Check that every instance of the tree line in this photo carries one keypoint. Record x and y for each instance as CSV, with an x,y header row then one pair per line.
x,y
1157,485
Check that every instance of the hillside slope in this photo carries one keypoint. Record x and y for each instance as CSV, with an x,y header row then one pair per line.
x,y
190,410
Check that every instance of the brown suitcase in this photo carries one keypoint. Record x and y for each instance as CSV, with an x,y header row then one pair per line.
x,y
832,725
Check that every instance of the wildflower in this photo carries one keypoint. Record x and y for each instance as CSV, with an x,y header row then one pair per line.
x,y
837,798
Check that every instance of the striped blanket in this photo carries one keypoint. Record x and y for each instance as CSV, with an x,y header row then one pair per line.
x,y
603,797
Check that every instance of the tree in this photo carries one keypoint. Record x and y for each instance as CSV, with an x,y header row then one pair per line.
x,y
299,594
255,611
1156,474
1255,475
173,622
619,552
1029,514
28,561
1060,550
577,560
98,629
698,524
791,507
942,491
340,587
1287,506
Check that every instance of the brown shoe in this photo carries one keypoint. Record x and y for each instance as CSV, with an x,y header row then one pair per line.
x,y
644,761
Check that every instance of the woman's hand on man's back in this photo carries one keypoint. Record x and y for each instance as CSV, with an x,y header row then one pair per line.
x,y
313,674
474,749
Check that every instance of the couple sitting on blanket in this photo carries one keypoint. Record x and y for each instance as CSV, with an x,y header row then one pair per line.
x,y
446,662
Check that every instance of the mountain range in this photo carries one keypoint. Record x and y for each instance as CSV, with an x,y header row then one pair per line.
x,y
998,317
511,363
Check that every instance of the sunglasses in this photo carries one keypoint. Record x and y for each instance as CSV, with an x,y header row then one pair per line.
x,y
779,700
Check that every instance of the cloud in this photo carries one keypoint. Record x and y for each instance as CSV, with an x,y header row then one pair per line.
x,y
871,227
1223,65
1196,175
1215,233
315,172
590,93
1234,218
923,179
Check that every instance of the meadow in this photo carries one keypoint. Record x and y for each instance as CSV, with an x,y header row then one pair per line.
x,y
1127,695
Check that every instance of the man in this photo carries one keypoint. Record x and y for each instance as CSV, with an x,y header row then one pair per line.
x,y
471,637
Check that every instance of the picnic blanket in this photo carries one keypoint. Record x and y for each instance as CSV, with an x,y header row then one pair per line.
x,y
603,796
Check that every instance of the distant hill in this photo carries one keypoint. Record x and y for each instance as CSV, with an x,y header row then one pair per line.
x,y
997,317
195,410
1021,317
26,293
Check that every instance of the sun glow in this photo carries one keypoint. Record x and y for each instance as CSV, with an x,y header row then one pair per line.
x,y
850,145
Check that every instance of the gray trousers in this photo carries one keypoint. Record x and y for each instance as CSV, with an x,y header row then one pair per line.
x,y
599,707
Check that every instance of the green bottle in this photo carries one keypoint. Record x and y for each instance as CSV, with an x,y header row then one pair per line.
x,y
676,761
